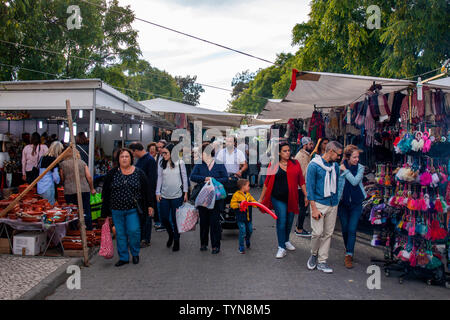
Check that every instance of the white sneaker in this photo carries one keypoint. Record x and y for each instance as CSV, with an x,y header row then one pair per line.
x,y
281,253
289,246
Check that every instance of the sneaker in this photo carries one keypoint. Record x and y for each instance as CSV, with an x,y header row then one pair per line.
x,y
348,261
312,262
241,250
324,267
289,246
281,253
303,234
160,229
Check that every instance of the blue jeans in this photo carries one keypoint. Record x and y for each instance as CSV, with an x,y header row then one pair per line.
x,y
349,216
245,231
128,232
284,222
168,215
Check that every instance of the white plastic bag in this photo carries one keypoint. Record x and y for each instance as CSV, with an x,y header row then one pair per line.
x,y
187,217
207,196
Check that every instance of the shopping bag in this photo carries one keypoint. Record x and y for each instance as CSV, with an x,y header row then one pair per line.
x,y
219,189
96,205
187,217
207,196
106,244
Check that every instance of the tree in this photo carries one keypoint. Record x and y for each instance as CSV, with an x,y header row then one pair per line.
x,y
413,39
252,99
240,82
106,43
191,90
106,37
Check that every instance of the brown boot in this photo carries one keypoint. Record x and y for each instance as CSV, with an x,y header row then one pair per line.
x,y
348,261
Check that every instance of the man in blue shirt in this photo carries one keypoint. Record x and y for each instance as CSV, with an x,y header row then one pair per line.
x,y
322,179
147,164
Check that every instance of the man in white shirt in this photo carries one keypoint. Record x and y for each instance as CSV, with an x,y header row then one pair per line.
x,y
233,158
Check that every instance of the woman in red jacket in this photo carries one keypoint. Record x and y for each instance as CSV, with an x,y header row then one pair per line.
x,y
280,193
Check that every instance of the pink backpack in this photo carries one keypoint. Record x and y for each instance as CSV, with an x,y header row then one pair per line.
x,y
106,245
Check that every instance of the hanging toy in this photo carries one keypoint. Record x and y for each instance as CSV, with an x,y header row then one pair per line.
x,y
438,205
415,143
427,201
422,206
425,178
413,258
427,143
422,258
387,179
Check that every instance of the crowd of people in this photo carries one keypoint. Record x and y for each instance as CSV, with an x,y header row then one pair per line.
x,y
147,186
314,178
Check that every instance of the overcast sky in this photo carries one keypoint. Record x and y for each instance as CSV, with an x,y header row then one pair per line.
x,y
259,27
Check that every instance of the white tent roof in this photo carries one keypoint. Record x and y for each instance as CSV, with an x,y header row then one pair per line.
x,y
440,82
332,90
47,99
207,116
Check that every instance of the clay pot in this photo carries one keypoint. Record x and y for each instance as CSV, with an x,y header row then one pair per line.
x,y
31,219
12,216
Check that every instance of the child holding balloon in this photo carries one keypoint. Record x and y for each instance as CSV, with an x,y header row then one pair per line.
x,y
243,218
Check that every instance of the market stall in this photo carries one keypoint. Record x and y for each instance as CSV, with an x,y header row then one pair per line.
x,y
98,110
402,127
184,115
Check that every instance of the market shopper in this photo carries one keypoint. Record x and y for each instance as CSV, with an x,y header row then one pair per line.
x,y
234,159
31,155
303,157
280,193
151,149
147,164
351,195
159,146
321,147
126,196
209,218
67,174
83,146
171,192
46,186
322,183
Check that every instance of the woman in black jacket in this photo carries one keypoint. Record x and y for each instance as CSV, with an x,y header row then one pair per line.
x,y
126,195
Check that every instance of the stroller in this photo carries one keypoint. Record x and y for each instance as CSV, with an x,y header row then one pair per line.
x,y
228,215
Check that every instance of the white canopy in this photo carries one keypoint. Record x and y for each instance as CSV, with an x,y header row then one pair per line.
x,y
324,89
207,116
440,82
46,99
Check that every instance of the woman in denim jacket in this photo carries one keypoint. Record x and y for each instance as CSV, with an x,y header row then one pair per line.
x,y
351,194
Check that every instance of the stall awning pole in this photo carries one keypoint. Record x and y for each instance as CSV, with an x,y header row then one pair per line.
x,y
92,139
78,185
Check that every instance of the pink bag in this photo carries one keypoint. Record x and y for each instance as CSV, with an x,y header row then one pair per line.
x,y
106,245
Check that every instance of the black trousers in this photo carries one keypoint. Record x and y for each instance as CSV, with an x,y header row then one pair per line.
x,y
302,213
210,224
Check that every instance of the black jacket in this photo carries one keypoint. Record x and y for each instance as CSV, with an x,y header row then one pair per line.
x,y
146,201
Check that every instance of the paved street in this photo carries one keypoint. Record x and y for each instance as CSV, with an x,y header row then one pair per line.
x,y
192,274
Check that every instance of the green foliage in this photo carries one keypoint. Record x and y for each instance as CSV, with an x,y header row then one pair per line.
x,y
413,39
106,41
191,90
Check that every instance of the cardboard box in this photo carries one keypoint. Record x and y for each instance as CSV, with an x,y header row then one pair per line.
x,y
29,243
4,246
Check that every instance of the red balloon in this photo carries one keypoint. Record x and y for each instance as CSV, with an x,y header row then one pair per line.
x,y
245,205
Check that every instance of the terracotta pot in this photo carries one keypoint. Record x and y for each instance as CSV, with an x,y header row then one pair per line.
x,y
12,216
31,219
